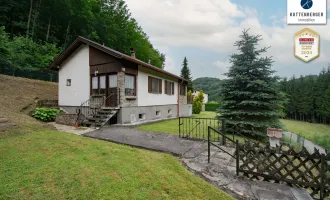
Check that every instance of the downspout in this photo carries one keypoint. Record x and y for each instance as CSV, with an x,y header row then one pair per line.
x,y
179,97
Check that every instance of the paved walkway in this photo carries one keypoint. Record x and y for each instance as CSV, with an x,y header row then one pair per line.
x,y
221,172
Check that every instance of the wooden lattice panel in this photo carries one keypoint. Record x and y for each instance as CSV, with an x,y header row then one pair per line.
x,y
284,165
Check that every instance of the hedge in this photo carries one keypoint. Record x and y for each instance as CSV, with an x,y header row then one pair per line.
x,y
211,107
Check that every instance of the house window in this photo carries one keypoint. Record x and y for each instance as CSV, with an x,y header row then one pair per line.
x,y
130,85
157,113
169,88
170,111
68,82
182,90
154,85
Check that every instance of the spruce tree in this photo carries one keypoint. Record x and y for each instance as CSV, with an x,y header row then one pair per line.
x,y
251,101
186,74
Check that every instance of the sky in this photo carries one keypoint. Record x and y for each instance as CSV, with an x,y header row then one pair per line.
x,y
204,31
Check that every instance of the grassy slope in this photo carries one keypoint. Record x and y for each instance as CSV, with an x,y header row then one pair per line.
x,y
318,133
17,93
38,162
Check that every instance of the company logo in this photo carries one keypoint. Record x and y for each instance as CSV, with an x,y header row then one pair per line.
x,y
307,12
306,4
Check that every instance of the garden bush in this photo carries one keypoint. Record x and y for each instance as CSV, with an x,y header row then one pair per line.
x,y
46,114
211,106
197,107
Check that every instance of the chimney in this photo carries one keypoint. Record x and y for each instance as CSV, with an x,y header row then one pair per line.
x,y
133,52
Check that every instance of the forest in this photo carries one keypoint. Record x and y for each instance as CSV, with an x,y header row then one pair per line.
x,y
308,97
33,32
210,86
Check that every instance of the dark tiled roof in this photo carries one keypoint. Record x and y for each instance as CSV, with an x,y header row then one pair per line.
x,y
81,40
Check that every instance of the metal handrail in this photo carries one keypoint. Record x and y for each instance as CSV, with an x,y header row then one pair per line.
x,y
224,138
93,110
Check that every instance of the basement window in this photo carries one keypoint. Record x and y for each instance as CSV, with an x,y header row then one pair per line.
x,y
68,82
158,113
142,116
170,111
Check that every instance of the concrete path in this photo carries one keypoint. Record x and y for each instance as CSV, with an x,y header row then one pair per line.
x,y
149,140
221,172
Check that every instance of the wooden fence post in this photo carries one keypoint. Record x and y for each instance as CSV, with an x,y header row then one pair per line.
x,y
323,176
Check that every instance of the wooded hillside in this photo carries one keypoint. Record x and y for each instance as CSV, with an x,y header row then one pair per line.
x,y
308,97
54,24
210,86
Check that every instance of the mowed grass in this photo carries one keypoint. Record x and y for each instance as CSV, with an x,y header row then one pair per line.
x,y
318,133
196,129
47,164
172,126
38,162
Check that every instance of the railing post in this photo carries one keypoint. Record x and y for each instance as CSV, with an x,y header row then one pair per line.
x,y
224,132
179,126
208,145
237,158
323,176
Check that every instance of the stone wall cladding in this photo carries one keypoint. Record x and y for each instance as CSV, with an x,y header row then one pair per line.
x,y
183,99
121,85
67,119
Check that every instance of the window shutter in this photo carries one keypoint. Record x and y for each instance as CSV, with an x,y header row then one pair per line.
x,y
149,84
160,86
172,88
165,86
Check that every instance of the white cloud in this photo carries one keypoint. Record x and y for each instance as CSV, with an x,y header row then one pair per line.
x,y
215,25
223,66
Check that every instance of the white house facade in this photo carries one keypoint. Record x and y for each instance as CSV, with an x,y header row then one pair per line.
x,y
98,79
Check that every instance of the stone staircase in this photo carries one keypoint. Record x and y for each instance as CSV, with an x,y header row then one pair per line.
x,y
100,118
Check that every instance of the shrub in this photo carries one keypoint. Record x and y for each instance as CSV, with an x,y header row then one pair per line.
x,y
197,107
211,106
46,114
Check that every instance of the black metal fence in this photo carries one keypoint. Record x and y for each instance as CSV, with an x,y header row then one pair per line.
x,y
197,128
44,75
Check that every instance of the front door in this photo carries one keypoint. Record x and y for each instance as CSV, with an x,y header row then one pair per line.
x,y
112,93
106,85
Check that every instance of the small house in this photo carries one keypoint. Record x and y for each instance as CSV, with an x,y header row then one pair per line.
x,y
105,86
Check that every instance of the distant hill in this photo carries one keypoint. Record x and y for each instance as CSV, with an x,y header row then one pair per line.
x,y
210,86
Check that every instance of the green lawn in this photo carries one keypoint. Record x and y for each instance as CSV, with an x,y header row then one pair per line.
x,y
42,163
172,126
318,133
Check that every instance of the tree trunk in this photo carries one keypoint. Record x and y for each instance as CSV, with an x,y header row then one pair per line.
x,y
48,30
67,34
29,19
35,18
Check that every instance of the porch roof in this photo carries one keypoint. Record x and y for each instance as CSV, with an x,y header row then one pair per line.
x,y
81,40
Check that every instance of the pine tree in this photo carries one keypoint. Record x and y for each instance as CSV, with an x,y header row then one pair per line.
x,y
186,74
251,100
